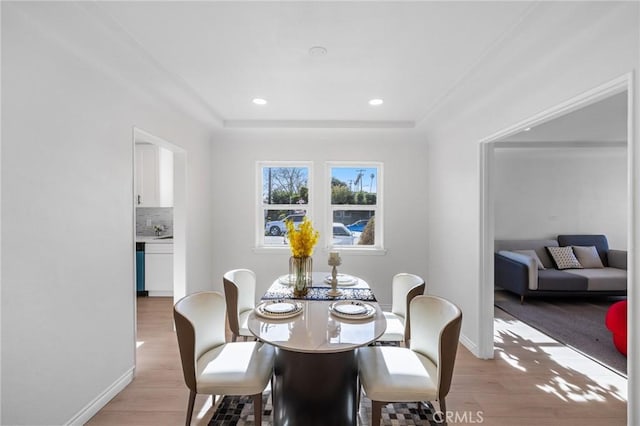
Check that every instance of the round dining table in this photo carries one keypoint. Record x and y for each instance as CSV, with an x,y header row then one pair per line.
x,y
315,379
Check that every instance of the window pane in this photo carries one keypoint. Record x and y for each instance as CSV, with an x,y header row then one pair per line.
x,y
353,227
354,185
285,185
274,226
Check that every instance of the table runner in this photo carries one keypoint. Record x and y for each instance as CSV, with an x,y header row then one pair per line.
x,y
319,293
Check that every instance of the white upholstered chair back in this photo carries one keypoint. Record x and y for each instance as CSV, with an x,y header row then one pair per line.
x,y
435,326
240,293
200,327
245,280
400,286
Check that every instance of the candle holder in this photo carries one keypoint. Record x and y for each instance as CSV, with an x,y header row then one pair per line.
x,y
334,262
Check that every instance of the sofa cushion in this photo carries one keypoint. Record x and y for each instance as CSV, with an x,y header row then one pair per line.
x,y
554,280
532,254
599,241
604,279
564,258
588,256
539,246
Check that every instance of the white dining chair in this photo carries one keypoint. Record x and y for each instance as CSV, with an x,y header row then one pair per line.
x,y
240,294
404,288
422,372
211,366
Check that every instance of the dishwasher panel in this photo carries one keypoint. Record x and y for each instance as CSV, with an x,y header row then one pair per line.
x,y
140,287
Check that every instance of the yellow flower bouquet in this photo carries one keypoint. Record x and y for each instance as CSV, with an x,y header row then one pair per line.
x,y
301,241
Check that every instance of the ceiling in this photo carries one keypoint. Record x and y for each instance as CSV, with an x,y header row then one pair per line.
x,y
604,121
410,54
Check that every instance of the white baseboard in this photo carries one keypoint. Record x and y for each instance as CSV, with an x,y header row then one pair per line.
x,y
90,410
473,348
160,293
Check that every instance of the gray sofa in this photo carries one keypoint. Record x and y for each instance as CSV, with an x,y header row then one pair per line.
x,y
517,270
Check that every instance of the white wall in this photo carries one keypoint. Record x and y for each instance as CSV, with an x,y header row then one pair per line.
x,y
543,192
67,214
583,45
235,153
67,222
495,99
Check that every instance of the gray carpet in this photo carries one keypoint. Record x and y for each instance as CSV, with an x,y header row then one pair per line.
x,y
575,322
238,411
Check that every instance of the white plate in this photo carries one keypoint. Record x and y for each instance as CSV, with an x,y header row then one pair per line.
x,y
352,309
276,309
280,307
342,279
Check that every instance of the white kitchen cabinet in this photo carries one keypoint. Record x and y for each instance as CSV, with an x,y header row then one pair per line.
x,y
158,269
154,176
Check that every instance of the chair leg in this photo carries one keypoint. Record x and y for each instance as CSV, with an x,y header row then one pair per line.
x,y
443,409
358,395
192,400
257,408
376,412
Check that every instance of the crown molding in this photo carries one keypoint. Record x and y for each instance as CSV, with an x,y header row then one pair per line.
x,y
183,96
560,144
317,124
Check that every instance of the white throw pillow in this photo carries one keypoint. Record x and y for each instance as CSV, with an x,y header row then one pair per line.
x,y
564,257
532,253
588,256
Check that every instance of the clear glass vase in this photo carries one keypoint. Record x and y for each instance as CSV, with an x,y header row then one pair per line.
x,y
300,269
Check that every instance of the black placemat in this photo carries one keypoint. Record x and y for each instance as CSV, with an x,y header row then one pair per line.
x,y
320,293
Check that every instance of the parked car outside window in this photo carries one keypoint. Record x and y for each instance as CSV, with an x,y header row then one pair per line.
x,y
278,227
342,235
358,225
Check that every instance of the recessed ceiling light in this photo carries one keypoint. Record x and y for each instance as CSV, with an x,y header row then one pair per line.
x,y
376,102
259,101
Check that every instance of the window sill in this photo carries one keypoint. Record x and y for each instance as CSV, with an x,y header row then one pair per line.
x,y
342,250
272,249
377,251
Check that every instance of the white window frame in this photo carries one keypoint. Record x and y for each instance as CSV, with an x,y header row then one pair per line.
x,y
261,206
378,247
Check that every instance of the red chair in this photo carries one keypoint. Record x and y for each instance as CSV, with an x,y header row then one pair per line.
x,y
616,321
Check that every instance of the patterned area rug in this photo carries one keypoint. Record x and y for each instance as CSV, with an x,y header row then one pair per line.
x,y
238,410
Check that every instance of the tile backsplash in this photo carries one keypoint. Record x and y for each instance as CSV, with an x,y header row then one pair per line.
x,y
147,217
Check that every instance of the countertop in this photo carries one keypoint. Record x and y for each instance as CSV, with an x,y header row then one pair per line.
x,y
154,240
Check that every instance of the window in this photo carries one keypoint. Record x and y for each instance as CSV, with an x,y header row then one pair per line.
x,y
355,207
284,195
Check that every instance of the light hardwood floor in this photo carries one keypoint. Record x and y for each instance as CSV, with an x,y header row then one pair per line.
x,y
532,380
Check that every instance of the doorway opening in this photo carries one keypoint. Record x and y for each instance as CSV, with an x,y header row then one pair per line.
x,y
500,140
159,215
